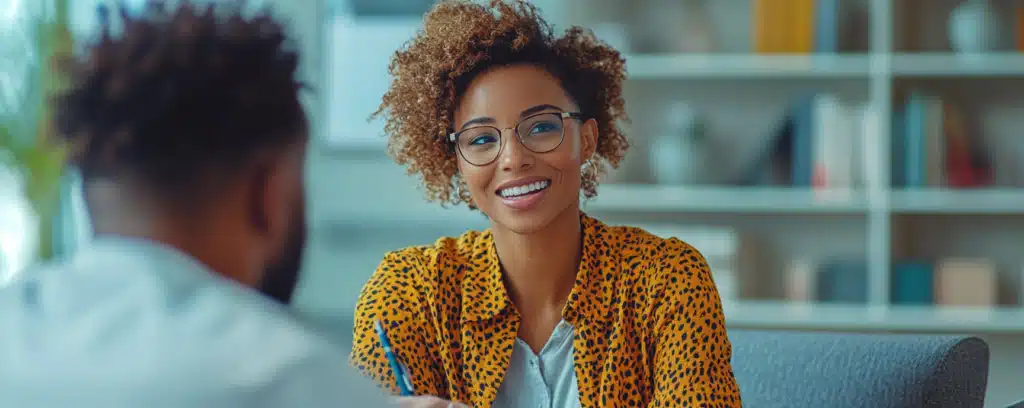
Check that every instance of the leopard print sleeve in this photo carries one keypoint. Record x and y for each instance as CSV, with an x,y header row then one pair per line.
x,y
692,362
394,296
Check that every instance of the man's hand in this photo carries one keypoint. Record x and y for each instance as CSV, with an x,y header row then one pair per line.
x,y
427,402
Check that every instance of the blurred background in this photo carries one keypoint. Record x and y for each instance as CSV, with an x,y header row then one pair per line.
x,y
844,165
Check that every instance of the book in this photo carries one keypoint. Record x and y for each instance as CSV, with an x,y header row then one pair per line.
x,y
965,282
912,283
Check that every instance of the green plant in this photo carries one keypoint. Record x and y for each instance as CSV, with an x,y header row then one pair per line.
x,y
27,140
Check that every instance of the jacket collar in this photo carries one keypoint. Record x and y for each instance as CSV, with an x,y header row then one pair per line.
x,y
483,290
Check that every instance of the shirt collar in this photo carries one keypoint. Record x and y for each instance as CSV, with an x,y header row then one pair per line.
x,y
483,291
169,263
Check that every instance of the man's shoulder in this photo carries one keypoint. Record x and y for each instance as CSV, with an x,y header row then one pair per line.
x,y
284,359
142,332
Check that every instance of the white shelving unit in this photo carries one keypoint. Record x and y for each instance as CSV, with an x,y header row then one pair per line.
x,y
879,69
691,66
828,317
980,202
951,65
650,198
852,66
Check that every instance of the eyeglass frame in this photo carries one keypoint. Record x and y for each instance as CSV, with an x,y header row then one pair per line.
x,y
453,136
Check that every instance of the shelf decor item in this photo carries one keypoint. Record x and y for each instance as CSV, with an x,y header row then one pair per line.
x,y
672,26
31,158
677,154
975,27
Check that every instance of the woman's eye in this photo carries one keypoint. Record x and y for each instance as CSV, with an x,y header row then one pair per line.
x,y
543,127
479,140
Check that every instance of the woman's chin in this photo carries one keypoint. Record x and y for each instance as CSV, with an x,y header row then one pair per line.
x,y
525,222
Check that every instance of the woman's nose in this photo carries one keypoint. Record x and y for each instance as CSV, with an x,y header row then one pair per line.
x,y
515,156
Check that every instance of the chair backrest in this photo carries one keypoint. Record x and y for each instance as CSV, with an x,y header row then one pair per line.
x,y
846,370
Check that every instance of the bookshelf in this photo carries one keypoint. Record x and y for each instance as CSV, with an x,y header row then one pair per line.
x,y
683,66
988,201
877,74
641,198
647,198
747,66
957,66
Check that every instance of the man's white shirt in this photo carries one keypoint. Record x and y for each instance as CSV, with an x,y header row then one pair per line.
x,y
132,323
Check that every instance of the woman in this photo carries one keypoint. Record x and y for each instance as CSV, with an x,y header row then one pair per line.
x,y
547,305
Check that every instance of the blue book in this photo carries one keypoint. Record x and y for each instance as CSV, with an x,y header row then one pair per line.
x,y
803,139
912,283
899,149
843,281
915,141
826,26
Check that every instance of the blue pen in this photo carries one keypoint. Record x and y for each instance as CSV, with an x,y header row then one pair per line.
x,y
402,376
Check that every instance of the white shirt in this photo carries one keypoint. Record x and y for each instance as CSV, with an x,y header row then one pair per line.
x,y
544,380
131,324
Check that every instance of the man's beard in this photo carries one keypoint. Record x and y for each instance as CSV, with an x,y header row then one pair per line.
x,y
281,277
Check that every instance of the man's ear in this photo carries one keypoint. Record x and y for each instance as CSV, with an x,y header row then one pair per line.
x,y
266,203
588,139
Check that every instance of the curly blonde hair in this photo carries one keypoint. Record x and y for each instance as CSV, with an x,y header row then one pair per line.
x,y
460,40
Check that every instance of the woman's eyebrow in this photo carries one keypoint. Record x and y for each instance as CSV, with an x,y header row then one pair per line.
x,y
487,120
483,120
537,109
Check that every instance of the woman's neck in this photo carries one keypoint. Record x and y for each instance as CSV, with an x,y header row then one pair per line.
x,y
540,268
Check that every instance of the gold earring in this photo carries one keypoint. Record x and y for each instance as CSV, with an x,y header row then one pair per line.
x,y
588,169
457,194
465,196
461,193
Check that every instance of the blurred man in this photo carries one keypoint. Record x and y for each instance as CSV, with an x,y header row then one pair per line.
x,y
187,128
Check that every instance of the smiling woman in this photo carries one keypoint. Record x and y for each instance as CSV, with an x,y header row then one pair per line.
x,y
548,307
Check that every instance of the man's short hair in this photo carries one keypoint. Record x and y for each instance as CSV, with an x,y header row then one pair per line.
x,y
175,93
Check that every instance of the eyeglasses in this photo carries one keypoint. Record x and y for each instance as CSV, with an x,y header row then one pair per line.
x,y
539,133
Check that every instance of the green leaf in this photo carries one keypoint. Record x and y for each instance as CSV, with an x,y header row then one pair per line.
x,y
27,141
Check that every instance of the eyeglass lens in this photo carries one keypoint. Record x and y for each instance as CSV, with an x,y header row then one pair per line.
x,y
539,133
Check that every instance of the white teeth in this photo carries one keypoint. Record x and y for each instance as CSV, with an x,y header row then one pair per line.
x,y
520,190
